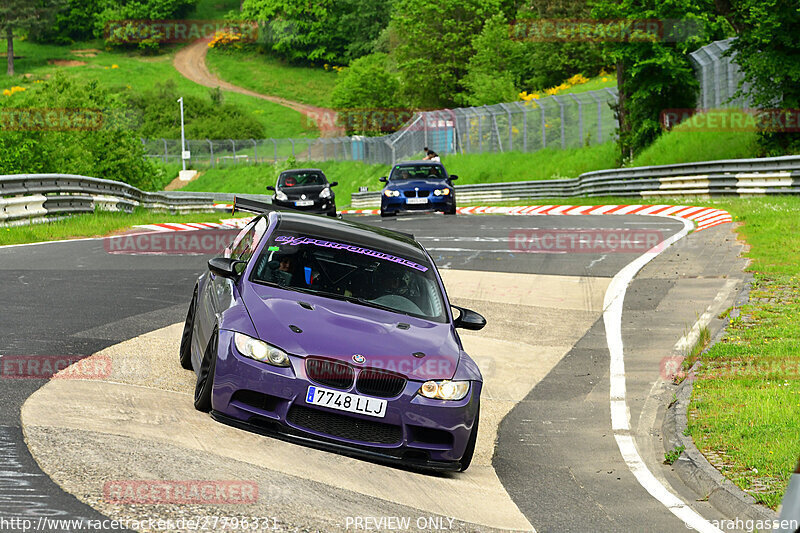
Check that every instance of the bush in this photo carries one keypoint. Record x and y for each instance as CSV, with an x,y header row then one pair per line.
x,y
204,118
109,148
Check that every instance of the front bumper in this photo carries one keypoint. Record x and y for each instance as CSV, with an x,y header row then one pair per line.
x,y
396,204
327,206
416,431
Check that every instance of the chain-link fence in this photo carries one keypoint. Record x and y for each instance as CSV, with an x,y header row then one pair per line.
x,y
566,121
719,77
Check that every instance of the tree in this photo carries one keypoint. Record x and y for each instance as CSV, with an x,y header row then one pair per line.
x,y
23,15
491,71
653,74
767,49
434,46
334,31
366,96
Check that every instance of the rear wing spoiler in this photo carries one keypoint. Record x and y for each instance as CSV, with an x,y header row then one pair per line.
x,y
254,206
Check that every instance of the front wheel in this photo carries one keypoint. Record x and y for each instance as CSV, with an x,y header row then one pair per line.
x,y
451,211
466,459
205,378
186,339
384,214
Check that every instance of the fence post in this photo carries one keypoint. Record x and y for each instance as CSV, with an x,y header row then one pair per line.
x,y
480,131
524,109
563,132
233,144
166,151
510,128
211,151
292,141
599,116
255,152
544,126
580,119
425,127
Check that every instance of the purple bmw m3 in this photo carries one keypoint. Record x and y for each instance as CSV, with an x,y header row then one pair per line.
x,y
338,335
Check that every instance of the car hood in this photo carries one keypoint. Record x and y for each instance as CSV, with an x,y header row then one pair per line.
x,y
311,191
338,330
410,184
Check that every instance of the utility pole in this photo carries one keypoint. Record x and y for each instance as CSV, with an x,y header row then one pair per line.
x,y
184,154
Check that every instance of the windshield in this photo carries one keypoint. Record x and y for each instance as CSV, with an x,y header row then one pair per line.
x,y
301,179
419,172
349,272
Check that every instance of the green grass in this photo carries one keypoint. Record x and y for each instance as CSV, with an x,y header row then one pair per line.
x,y
268,75
214,9
746,401
136,73
99,224
545,164
683,145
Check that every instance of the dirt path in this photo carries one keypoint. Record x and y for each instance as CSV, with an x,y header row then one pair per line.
x,y
191,63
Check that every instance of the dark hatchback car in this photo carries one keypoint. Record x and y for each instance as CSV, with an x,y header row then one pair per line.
x,y
305,189
418,186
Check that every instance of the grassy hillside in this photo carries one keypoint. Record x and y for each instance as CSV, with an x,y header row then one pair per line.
x,y
268,75
134,72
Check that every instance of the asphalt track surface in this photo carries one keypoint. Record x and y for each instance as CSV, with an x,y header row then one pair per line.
x,y
554,448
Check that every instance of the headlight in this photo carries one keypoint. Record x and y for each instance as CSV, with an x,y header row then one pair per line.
x,y
260,350
391,193
445,390
326,193
441,192
280,195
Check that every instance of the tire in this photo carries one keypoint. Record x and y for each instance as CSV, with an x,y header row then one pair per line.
x,y
466,459
451,211
205,378
186,338
384,215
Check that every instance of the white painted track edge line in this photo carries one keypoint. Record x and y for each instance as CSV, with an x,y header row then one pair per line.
x,y
620,414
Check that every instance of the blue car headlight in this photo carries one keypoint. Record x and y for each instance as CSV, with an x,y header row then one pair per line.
x,y
391,194
445,390
441,192
260,350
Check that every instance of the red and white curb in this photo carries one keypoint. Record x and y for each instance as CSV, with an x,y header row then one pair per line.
x,y
703,217
187,226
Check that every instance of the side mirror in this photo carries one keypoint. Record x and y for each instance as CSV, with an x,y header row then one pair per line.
x,y
468,319
383,179
270,188
226,267
453,177
334,184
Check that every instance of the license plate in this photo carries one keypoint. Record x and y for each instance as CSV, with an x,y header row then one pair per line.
x,y
303,203
344,401
417,200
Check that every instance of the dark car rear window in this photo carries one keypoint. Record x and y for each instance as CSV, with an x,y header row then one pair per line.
x,y
301,179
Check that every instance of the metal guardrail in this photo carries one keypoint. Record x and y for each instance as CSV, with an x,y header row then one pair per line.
x,y
32,197
773,175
